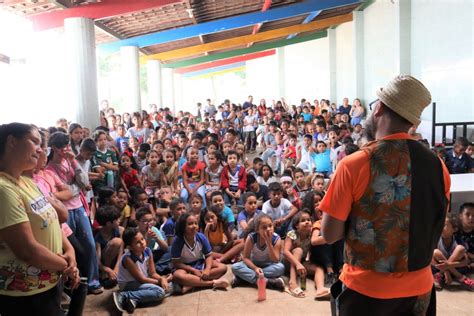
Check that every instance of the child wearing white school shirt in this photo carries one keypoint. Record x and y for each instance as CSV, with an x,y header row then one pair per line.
x,y
279,209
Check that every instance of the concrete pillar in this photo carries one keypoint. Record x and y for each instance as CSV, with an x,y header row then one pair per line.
x,y
167,87
403,40
178,93
154,82
130,72
358,44
281,77
332,66
83,73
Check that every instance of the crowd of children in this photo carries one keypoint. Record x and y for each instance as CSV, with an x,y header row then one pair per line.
x,y
159,204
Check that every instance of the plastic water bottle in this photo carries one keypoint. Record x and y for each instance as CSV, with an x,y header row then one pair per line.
x,y
262,288
110,178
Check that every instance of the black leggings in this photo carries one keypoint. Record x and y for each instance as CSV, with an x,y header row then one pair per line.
x,y
80,255
47,303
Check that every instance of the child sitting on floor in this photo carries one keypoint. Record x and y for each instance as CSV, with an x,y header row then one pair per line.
x,y
124,208
245,219
465,235
177,208
296,248
217,200
449,259
322,159
108,244
233,178
193,176
225,248
128,176
192,258
261,257
279,209
137,277
155,240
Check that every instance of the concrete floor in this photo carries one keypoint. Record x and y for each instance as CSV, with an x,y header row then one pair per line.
x,y
243,301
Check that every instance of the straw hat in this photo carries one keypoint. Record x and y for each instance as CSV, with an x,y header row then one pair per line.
x,y
406,96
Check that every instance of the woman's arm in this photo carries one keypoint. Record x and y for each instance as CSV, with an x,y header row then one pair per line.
x,y
63,193
61,210
20,239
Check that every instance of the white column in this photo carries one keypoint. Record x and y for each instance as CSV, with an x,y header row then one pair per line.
x,y
83,73
154,82
403,40
332,65
178,93
358,44
281,77
130,71
167,87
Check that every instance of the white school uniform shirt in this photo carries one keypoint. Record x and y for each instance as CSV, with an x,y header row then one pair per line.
x,y
277,212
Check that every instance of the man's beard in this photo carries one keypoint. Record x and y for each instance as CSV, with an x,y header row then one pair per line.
x,y
369,126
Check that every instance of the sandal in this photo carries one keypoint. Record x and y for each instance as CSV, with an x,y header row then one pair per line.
x,y
297,292
220,284
326,295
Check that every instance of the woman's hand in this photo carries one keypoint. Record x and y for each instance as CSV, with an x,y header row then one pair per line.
x,y
259,272
72,274
164,284
111,273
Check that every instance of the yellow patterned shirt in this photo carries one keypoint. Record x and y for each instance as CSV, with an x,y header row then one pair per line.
x,y
21,201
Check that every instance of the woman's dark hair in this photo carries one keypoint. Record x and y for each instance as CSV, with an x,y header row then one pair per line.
x,y
104,195
107,213
260,172
181,224
17,130
73,126
129,234
58,140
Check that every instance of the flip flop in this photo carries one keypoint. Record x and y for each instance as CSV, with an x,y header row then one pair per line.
x,y
297,292
323,296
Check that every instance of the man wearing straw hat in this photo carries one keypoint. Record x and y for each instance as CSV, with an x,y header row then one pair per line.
x,y
388,201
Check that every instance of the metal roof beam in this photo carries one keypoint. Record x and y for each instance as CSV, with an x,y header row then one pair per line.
x,y
229,23
100,10
227,61
308,19
249,50
242,40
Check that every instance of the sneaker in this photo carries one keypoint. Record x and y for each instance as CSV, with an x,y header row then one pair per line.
x,y
118,300
129,305
438,281
276,284
236,281
96,290
468,284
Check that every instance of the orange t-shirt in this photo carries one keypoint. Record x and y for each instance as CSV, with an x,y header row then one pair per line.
x,y
347,186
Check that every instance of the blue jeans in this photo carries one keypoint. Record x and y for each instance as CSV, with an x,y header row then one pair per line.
x,y
201,191
270,270
142,292
81,227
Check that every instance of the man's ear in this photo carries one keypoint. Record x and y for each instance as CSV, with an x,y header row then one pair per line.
x,y
379,109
